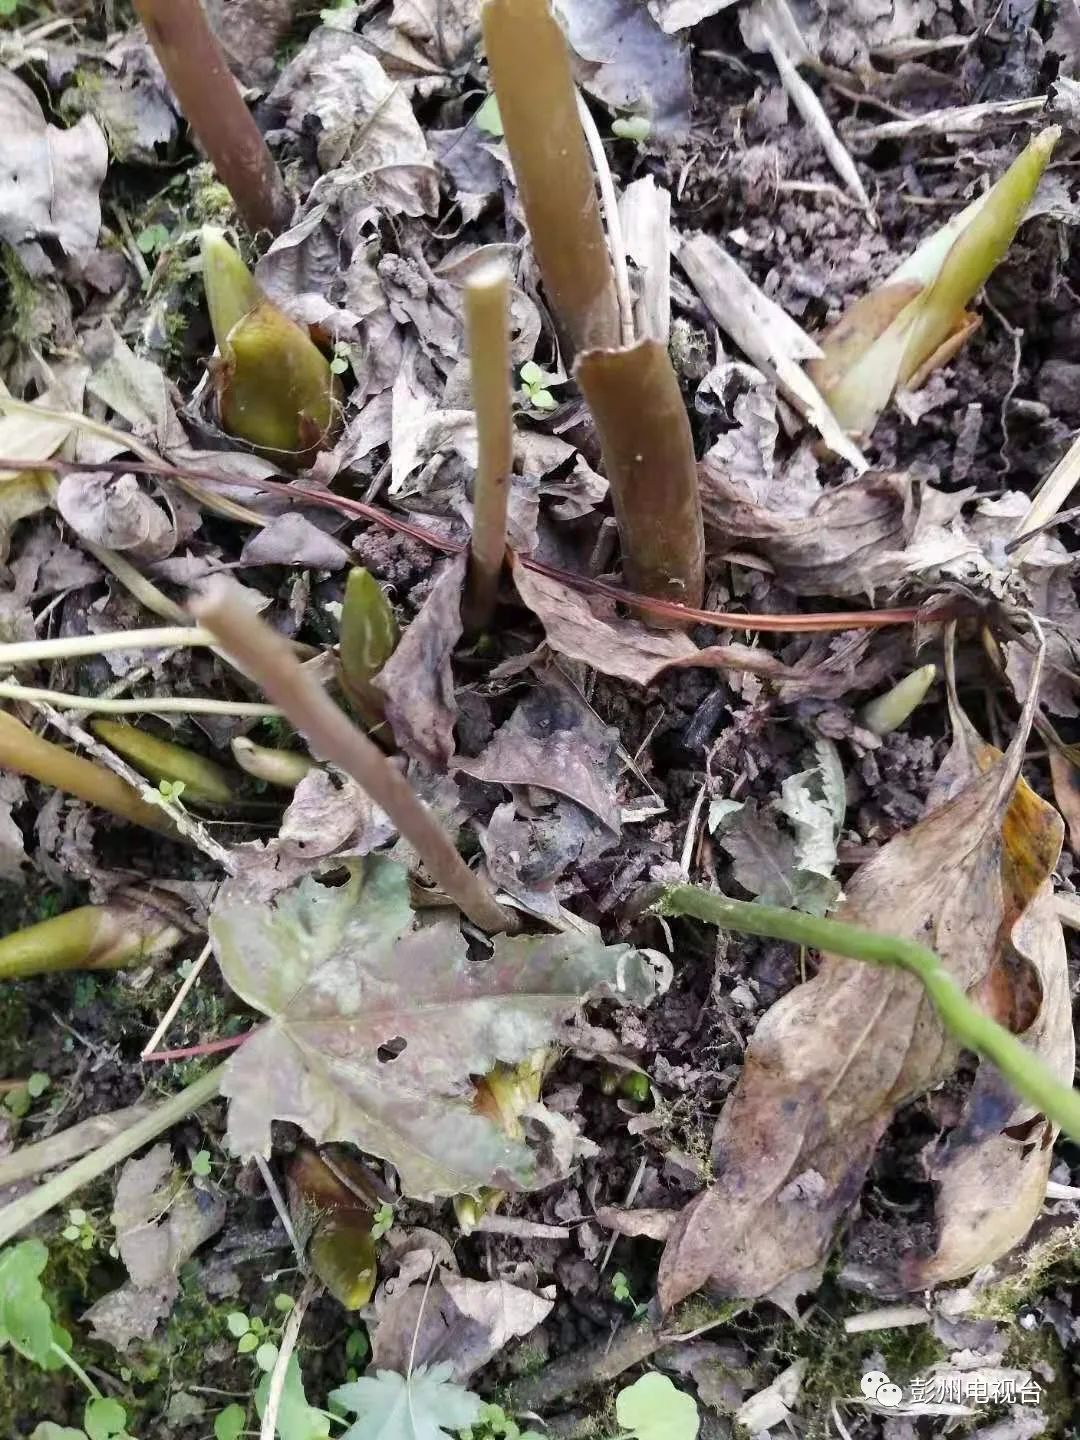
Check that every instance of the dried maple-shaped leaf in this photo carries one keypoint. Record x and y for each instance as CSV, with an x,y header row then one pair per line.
x,y
830,1063
376,1023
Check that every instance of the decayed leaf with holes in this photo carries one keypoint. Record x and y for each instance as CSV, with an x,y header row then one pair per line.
x,y
830,1063
376,1024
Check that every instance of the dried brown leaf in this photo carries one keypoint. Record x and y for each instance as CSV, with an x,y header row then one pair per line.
x,y
830,1062
418,679
555,741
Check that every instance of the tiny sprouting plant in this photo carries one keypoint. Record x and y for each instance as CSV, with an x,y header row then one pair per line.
x,y
536,386
152,239
382,1220
493,1423
620,1288
20,1099
83,1230
637,128
200,1164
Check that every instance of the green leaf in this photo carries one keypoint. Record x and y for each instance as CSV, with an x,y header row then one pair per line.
x,y
104,1418
342,971
296,1420
542,400
426,1406
152,239
200,1163
266,1356
356,1346
655,1409
25,1319
247,1343
49,1430
488,119
37,1084
230,1422
531,374
238,1323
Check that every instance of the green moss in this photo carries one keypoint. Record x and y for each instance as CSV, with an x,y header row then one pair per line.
x,y
1046,1263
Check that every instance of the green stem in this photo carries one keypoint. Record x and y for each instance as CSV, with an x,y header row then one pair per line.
x,y
76,1369
28,1208
975,1031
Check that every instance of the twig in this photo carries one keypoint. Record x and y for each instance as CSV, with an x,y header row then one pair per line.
x,y
28,1208
281,1364
70,647
487,305
612,219
56,1150
628,1200
178,1000
208,1047
1024,1070
267,657
281,1207
959,120
147,705
521,1229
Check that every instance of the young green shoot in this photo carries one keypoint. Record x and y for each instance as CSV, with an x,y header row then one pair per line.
x,y
487,324
198,74
92,937
284,768
268,658
31,755
369,636
204,781
275,388
888,712
914,322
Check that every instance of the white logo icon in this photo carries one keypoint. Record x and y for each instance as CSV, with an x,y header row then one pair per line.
x,y
877,1386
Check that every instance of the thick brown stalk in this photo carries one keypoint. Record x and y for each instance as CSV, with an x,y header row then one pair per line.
x,y
648,450
196,69
530,70
268,659
487,317
28,754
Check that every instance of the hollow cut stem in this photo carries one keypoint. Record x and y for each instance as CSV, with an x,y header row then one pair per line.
x,y
196,69
268,659
487,321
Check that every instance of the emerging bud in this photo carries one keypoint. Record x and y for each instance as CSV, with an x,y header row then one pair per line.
x,y
889,711
914,323
275,388
369,636
203,780
276,767
336,1224
93,937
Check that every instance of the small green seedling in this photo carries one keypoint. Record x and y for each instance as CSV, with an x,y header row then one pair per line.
x,y
637,128
620,1288
535,385
152,239
82,1230
493,1423
340,363
230,1423
381,1221
200,1164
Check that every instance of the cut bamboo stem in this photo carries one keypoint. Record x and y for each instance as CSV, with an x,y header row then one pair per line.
x,y
268,659
530,71
487,320
196,69
649,458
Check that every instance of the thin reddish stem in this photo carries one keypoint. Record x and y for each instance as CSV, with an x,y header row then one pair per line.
x,y
210,1047
826,621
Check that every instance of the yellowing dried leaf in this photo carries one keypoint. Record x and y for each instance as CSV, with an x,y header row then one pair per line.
x,y
829,1064
375,1024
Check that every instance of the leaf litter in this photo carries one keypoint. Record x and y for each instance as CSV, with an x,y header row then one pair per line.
x,y
535,742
